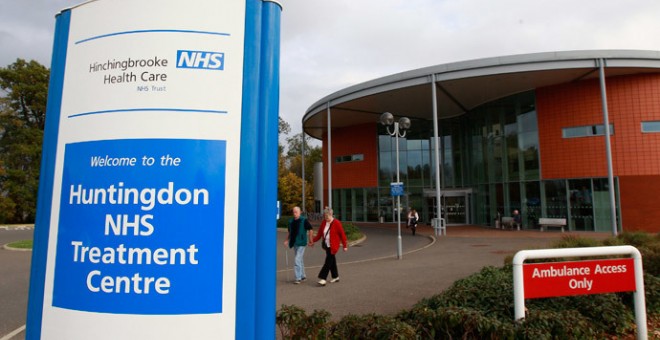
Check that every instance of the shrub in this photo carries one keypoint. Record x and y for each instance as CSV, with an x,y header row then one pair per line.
x,y
371,326
555,325
489,291
455,323
352,231
651,258
606,313
572,241
647,244
635,239
294,323
290,321
651,294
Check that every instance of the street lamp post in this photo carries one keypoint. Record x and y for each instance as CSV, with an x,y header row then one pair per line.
x,y
400,127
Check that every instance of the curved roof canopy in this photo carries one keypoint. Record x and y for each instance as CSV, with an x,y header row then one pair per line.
x,y
463,86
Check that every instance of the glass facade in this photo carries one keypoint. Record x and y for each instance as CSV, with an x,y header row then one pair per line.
x,y
490,166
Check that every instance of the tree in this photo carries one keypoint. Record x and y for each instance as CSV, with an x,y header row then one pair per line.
x,y
313,154
284,128
290,193
22,117
26,85
289,174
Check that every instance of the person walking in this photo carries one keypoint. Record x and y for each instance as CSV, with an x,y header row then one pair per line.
x,y
332,234
413,218
300,232
517,219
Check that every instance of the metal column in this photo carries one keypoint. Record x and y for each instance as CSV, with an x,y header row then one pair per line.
x,y
302,155
608,146
436,154
329,159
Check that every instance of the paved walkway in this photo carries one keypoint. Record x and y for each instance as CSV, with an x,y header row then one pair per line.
x,y
386,285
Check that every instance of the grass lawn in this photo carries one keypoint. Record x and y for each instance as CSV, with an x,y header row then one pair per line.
x,y
24,244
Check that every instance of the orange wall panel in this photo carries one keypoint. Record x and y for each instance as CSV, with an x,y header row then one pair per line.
x,y
358,139
639,207
631,100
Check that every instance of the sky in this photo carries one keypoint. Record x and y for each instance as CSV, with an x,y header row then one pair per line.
x,y
327,45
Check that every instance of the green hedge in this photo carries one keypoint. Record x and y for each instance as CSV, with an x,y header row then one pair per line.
x,y
370,326
352,231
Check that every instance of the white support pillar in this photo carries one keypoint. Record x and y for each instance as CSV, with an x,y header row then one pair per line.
x,y
436,153
608,145
302,156
329,158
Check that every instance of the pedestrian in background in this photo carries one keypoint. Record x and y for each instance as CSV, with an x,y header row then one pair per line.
x,y
332,234
413,218
300,232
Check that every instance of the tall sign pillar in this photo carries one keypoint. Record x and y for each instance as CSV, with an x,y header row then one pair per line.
x,y
160,137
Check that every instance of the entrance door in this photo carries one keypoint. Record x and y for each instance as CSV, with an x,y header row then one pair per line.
x,y
455,205
455,209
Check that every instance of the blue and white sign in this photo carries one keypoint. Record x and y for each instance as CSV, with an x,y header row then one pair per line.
x,y
141,227
151,153
396,189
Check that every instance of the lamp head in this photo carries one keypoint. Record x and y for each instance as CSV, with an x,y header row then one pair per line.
x,y
404,123
387,119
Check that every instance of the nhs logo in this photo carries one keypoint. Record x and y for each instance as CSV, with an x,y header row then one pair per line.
x,y
200,59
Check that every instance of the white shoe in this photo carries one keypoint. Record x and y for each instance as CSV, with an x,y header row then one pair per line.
x,y
336,279
322,282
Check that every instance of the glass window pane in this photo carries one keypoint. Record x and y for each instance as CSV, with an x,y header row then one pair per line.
x,y
514,198
372,205
385,143
600,130
414,144
555,199
585,131
424,144
447,162
602,207
386,170
512,157
532,210
415,165
579,131
651,126
581,204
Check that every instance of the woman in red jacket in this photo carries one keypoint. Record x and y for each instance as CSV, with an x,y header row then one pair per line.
x,y
332,233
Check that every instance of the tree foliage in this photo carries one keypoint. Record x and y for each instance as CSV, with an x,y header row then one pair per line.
x,y
290,192
284,128
313,154
290,170
24,88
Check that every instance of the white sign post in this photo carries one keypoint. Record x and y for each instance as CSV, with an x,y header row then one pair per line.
x,y
160,117
581,277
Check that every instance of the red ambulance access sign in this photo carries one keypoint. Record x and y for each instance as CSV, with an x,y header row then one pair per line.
x,y
578,277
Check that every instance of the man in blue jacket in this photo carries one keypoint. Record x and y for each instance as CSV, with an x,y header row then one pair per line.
x,y
300,232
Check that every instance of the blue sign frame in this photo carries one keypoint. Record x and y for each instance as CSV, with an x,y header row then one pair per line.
x,y
255,315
